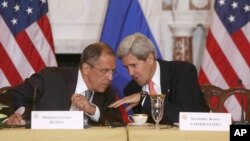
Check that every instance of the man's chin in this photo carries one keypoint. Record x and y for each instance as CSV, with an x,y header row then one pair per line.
x,y
102,89
139,82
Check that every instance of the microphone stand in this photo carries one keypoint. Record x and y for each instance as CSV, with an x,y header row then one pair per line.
x,y
34,98
33,108
242,118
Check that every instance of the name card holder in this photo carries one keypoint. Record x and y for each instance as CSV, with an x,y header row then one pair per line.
x,y
198,121
57,120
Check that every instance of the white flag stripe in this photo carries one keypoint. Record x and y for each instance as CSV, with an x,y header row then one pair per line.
x,y
246,31
12,48
219,34
41,44
213,75
152,14
232,105
229,49
212,72
3,82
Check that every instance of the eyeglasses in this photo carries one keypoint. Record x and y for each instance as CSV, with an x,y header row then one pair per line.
x,y
104,71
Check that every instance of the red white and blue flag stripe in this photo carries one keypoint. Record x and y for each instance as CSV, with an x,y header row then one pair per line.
x,y
125,17
226,61
26,43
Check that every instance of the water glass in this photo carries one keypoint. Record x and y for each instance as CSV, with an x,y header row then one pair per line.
x,y
157,108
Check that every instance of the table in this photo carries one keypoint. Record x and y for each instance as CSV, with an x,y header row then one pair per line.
x,y
129,133
91,134
149,133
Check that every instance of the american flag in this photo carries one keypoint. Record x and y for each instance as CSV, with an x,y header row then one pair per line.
x,y
226,59
26,43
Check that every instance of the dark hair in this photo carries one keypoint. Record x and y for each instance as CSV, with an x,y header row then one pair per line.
x,y
93,51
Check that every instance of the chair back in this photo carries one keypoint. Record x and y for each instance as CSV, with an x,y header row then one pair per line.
x,y
217,98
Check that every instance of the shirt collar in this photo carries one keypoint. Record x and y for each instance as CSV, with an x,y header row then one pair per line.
x,y
156,76
155,79
81,85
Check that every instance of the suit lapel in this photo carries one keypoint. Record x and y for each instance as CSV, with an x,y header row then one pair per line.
x,y
70,82
164,77
96,98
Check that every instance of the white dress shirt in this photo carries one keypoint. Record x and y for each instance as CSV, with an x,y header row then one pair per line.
x,y
80,88
156,81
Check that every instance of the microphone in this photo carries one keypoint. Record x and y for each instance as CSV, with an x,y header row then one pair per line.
x,y
33,108
242,118
34,98
240,82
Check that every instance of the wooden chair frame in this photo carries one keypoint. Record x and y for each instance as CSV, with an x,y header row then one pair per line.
x,y
222,95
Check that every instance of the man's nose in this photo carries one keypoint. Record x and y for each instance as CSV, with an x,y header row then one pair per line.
x,y
110,75
130,71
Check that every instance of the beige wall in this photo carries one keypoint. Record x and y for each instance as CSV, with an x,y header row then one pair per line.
x,y
76,23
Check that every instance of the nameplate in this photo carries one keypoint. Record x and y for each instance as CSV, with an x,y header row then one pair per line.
x,y
57,120
196,121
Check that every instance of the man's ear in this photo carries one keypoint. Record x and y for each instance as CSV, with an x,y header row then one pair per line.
x,y
85,68
150,58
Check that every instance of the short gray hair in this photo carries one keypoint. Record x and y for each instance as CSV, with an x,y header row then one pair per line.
x,y
138,45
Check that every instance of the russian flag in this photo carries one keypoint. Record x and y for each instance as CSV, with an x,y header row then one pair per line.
x,y
125,17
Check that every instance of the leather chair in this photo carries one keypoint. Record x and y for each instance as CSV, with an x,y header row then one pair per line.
x,y
216,98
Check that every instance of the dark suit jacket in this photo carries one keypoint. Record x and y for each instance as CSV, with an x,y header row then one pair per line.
x,y
179,81
55,87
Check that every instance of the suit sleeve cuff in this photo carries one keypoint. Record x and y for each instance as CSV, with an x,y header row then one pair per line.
x,y
97,114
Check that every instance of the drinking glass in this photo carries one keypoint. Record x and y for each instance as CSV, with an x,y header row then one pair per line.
x,y
88,94
157,108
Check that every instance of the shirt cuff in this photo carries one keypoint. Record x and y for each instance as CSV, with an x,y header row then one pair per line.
x,y
143,94
97,114
20,110
3,122
143,100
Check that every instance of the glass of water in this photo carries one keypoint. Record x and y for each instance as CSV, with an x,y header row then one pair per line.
x,y
157,108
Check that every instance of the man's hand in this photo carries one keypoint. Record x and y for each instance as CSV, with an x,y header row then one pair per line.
x,y
131,100
15,120
82,103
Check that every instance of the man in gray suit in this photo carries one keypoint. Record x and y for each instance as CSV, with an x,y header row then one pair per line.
x,y
62,88
177,79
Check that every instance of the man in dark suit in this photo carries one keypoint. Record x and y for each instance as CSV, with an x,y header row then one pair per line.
x,y
62,88
176,79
